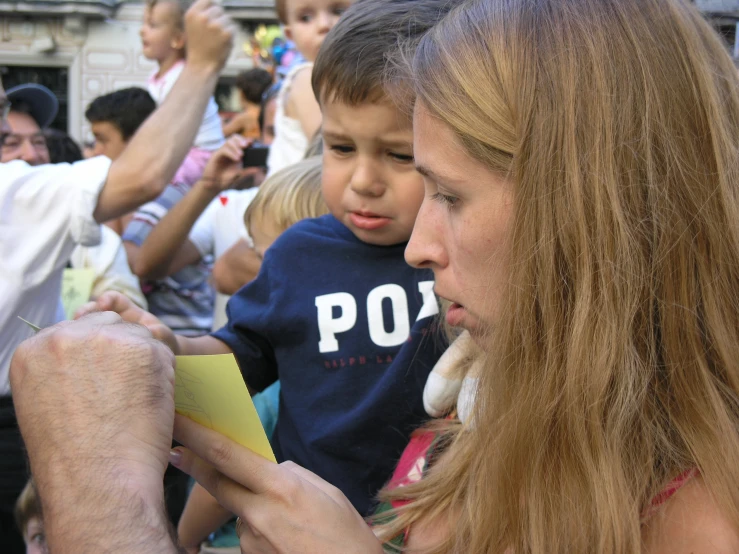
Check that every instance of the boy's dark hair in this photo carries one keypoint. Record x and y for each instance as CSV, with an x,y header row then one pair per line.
x,y
350,67
62,148
126,109
253,83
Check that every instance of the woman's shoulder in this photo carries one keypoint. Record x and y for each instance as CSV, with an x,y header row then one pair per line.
x,y
691,521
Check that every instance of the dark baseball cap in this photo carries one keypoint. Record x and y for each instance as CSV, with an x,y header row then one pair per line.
x,y
43,104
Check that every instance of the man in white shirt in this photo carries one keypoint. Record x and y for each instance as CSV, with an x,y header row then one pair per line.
x,y
45,211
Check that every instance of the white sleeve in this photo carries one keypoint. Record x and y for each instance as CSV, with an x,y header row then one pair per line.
x,y
202,234
47,210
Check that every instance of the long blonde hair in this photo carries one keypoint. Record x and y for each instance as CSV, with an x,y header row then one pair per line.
x,y
615,360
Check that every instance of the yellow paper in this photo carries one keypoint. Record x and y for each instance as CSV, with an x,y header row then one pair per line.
x,y
211,391
76,289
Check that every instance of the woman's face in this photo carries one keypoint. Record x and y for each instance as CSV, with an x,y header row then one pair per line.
x,y
462,226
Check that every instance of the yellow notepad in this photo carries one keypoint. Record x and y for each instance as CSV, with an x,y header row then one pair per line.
x,y
76,289
211,391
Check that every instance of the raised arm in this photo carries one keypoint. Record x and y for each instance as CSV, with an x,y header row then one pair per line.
x,y
155,152
236,267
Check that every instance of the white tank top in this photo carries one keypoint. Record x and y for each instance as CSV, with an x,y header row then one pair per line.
x,y
290,142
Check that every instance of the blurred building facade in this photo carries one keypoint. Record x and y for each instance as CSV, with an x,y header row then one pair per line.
x,y
83,48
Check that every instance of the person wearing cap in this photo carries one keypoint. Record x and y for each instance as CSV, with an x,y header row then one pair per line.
x,y
32,108
46,210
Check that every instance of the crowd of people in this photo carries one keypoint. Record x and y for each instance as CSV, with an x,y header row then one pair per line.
x,y
482,287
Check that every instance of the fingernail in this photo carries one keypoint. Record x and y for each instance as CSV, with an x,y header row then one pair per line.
x,y
175,457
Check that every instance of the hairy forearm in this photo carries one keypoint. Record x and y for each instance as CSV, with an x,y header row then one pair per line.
x,y
101,510
161,247
158,148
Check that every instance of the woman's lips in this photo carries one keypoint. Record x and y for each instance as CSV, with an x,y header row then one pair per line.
x,y
368,221
454,315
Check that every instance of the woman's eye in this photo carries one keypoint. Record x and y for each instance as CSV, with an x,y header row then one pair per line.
x,y
445,199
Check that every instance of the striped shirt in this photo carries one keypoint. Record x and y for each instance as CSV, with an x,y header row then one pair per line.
x,y
184,300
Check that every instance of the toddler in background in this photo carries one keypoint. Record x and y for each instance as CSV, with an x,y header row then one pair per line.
x,y
29,520
288,196
298,116
163,40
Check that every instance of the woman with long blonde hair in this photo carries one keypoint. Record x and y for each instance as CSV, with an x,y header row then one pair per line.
x,y
581,164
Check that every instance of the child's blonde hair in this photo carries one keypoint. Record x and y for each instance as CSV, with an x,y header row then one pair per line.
x,y
27,506
290,195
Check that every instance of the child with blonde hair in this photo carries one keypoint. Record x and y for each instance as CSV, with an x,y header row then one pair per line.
x,y
288,196
298,116
164,41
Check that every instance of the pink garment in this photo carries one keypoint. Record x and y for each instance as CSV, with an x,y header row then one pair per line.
x,y
193,167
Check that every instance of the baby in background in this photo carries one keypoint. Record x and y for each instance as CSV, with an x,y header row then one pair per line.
x,y
29,520
298,116
164,41
288,196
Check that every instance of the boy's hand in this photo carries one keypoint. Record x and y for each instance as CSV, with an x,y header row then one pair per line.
x,y
122,305
209,33
224,167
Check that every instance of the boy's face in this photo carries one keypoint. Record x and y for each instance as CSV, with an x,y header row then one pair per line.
x,y
369,180
108,140
161,37
308,22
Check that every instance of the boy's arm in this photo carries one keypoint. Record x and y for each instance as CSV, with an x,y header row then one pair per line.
x,y
202,516
235,126
303,103
166,249
158,148
237,266
130,312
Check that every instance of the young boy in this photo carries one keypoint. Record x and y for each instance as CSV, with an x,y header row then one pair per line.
x,y
29,519
335,313
298,117
114,118
163,39
252,85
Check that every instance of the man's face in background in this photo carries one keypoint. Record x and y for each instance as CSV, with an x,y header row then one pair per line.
x,y
23,140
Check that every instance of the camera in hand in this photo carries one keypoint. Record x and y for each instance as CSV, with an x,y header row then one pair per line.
x,y
256,155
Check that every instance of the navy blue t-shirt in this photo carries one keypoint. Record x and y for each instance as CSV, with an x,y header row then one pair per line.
x,y
347,328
